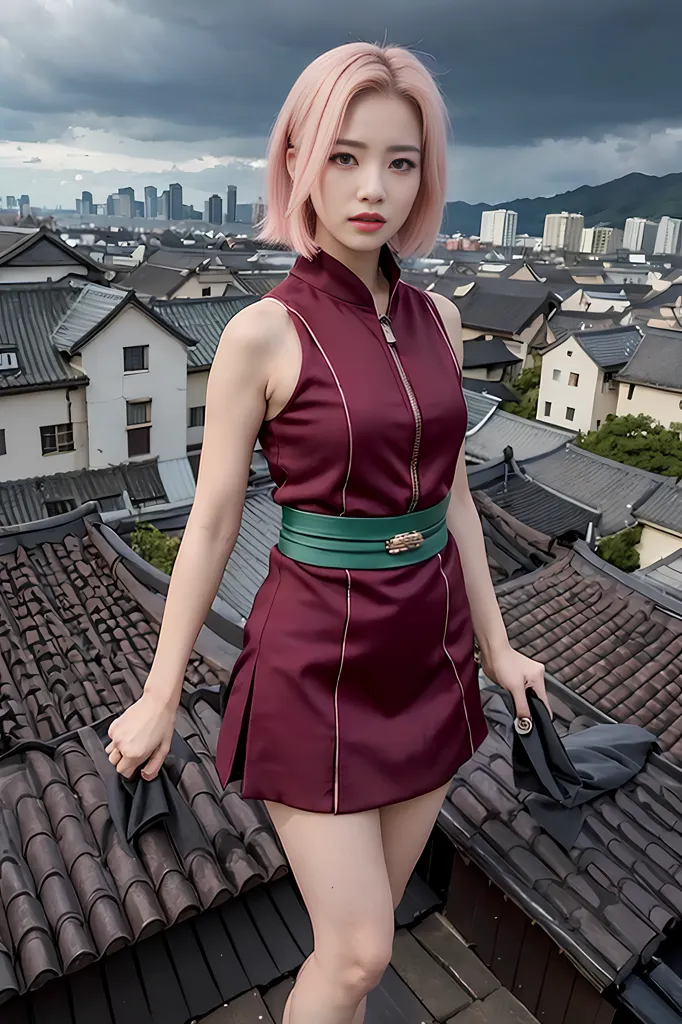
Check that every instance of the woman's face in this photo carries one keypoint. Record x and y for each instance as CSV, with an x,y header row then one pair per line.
x,y
374,168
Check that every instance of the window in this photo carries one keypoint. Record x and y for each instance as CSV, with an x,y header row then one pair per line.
x,y
570,352
3,442
573,380
631,391
138,425
598,424
206,290
58,508
58,438
556,374
135,358
8,360
548,408
570,413
196,415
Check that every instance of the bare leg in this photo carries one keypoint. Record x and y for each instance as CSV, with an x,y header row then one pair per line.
x,y
338,863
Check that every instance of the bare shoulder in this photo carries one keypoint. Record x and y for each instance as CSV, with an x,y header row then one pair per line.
x,y
256,326
452,321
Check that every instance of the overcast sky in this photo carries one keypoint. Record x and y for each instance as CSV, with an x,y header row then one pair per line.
x,y
544,95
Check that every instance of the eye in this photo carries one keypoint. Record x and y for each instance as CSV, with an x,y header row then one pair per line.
x,y
409,164
340,159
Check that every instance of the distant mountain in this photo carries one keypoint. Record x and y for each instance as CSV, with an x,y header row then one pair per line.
x,y
635,195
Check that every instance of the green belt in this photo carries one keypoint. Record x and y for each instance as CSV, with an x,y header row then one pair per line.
x,y
363,542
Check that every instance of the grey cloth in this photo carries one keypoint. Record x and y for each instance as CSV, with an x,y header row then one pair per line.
x,y
563,775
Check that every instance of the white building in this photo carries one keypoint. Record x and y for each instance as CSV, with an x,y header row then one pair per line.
x,y
563,231
498,227
606,240
587,240
668,236
640,235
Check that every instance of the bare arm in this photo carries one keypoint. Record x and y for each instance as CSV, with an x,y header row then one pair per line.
x,y
235,407
500,661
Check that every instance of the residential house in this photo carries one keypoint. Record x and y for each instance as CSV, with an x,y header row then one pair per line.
x,y
41,255
74,392
191,273
577,386
514,311
489,360
660,516
598,298
651,382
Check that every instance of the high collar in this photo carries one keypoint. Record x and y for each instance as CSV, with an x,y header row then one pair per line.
x,y
330,275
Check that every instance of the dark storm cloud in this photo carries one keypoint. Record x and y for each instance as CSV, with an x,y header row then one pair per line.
x,y
513,71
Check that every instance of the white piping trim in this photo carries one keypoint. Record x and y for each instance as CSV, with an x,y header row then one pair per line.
x,y
337,737
454,668
336,379
436,316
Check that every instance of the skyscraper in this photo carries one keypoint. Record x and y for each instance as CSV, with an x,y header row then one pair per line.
x,y
563,231
87,208
498,227
231,211
127,202
164,205
151,202
668,236
176,211
640,235
11,202
215,210
110,206
258,211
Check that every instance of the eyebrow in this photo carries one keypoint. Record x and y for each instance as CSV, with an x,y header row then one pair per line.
x,y
389,149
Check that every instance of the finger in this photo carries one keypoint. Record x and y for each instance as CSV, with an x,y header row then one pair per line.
x,y
115,756
127,766
112,746
153,765
521,702
113,730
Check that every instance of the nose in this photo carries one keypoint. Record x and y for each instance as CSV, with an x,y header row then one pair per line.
x,y
371,187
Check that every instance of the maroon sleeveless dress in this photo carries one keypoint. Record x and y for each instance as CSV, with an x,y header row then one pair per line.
x,y
358,688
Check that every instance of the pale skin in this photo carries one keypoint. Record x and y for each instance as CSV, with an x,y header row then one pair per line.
x,y
351,868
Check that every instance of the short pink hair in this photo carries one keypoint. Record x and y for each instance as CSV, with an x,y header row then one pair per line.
x,y
311,119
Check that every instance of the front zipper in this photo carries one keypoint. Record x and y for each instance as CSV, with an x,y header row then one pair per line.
x,y
387,328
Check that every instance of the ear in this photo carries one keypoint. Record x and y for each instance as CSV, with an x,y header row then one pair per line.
x,y
291,160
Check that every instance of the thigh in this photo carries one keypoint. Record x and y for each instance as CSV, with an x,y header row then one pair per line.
x,y
405,828
338,863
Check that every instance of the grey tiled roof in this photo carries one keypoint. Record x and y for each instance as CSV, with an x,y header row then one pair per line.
x,y
487,352
499,306
93,305
259,283
612,487
28,316
611,348
158,282
528,438
247,566
665,574
535,505
495,388
479,407
202,320
658,360
24,501
570,322
663,507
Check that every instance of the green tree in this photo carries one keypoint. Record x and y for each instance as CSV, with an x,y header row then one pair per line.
x,y
637,441
527,384
155,547
620,548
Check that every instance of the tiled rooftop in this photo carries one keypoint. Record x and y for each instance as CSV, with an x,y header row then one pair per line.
x,y
77,634
607,636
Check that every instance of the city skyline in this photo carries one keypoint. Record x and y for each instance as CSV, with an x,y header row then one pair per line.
x,y
199,89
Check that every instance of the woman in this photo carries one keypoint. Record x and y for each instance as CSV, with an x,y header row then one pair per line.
x,y
355,698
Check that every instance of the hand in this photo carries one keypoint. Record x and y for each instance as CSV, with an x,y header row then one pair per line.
x,y
142,734
515,672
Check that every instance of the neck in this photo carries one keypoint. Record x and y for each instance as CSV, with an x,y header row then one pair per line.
x,y
364,265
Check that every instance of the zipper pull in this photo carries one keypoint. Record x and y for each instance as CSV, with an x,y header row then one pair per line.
x,y
387,329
